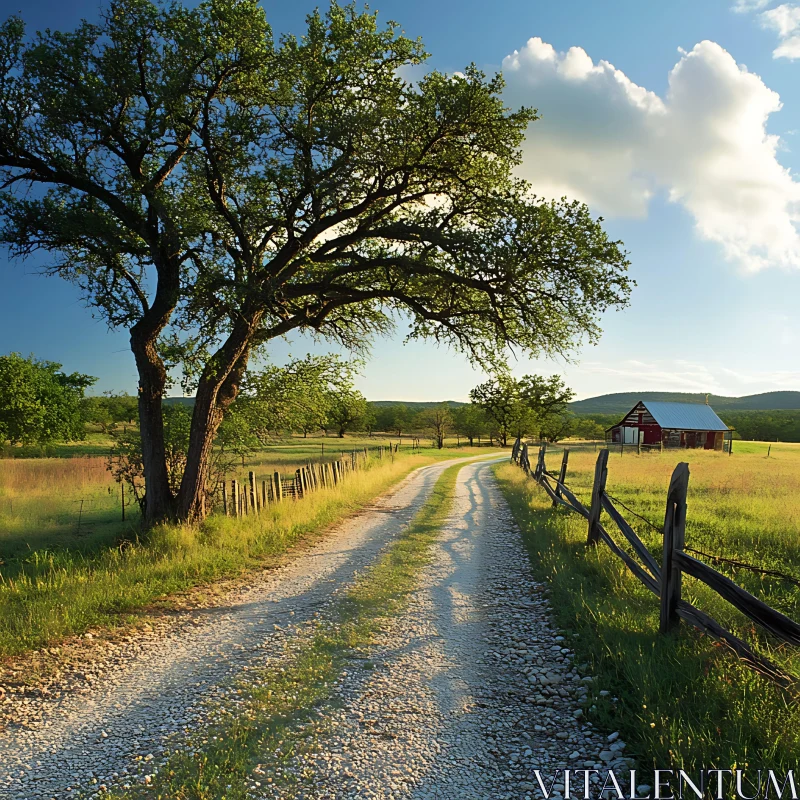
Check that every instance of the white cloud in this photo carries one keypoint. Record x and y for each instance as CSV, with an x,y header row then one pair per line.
x,y
746,6
785,21
606,140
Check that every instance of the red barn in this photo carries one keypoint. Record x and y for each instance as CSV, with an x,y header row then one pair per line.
x,y
671,425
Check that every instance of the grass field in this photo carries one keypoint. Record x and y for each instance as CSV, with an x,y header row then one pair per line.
x,y
683,701
58,578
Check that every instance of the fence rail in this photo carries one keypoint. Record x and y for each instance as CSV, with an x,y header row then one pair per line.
x,y
242,498
665,579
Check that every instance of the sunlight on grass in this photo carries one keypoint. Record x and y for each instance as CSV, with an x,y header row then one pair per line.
x,y
683,700
53,593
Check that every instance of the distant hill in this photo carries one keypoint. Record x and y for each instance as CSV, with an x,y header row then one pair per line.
x,y
416,405
620,402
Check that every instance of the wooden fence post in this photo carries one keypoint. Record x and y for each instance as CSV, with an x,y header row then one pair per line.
x,y
264,495
278,487
562,475
674,539
599,486
235,497
299,489
253,492
225,498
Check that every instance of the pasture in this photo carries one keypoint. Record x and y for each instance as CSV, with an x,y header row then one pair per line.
x,y
682,699
64,570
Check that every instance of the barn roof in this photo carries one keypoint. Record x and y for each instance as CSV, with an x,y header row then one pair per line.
x,y
685,416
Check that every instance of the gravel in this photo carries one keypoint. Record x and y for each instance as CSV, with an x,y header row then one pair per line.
x,y
468,691
142,693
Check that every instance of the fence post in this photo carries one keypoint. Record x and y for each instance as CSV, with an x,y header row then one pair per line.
x,y
253,492
278,487
562,475
674,539
264,495
299,489
235,497
599,486
225,498
540,467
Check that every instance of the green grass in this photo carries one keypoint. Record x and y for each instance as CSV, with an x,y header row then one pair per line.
x,y
50,594
277,714
683,700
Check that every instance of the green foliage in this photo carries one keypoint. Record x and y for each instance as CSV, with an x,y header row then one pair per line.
x,y
347,410
470,421
532,404
437,421
764,426
125,460
39,403
110,410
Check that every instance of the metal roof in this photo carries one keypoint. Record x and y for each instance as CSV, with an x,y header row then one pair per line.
x,y
685,416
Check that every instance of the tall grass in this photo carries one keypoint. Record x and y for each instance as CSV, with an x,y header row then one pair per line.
x,y
54,593
683,700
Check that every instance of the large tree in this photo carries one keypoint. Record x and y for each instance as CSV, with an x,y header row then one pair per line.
x,y
210,189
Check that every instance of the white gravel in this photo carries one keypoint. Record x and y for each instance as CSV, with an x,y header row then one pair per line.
x,y
469,690
152,687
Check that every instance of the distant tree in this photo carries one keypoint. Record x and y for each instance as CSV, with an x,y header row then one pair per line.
x,y
296,396
587,428
38,402
347,410
546,399
501,402
109,410
470,421
437,421
210,190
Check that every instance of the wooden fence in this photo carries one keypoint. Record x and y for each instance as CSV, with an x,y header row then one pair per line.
x,y
664,579
240,498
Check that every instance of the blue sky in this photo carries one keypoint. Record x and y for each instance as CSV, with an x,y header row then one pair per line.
x,y
687,149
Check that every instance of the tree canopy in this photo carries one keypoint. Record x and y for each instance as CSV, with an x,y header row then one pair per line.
x,y
211,189
38,402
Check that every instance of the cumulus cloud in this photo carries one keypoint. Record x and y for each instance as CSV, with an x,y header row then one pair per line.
x,y
785,21
606,140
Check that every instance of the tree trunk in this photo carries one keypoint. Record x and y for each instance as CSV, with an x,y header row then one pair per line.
x,y
158,500
341,433
216,390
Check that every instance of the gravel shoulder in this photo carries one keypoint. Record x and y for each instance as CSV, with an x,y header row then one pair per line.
x,y
469,690
150,688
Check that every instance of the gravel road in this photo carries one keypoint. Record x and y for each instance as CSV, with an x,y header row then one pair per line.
x,y
153,686
466,692
469,690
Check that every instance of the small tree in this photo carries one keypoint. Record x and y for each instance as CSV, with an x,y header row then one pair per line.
x,y
210,190
38,402
347,410
547,400
437,421
501,402
470,421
